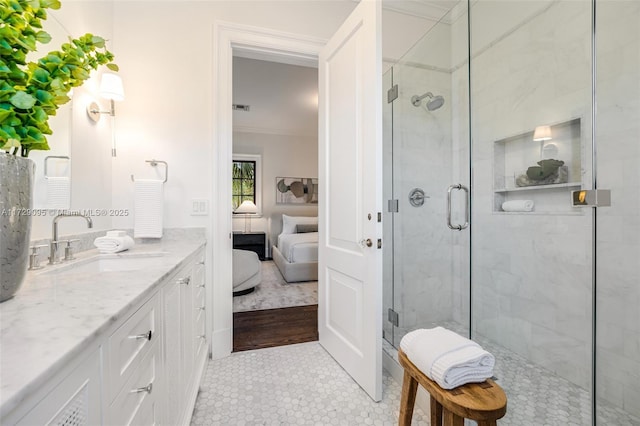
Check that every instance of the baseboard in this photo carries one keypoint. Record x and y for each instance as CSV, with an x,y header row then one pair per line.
x,y
221,343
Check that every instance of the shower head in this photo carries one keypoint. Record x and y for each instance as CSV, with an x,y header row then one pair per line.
x,y
433,104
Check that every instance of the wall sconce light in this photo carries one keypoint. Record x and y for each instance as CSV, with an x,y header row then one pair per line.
x,y
542,133
247,208
110,88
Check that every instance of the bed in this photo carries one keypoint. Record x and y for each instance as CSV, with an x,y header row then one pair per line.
x,y
294,246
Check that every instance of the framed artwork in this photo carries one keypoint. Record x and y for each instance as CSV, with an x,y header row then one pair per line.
x,y
290,190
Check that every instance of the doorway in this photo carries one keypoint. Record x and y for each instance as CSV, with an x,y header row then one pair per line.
x,y
275,170
258,44
349,274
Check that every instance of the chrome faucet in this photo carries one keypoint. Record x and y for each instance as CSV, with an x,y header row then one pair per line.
x,y
53,253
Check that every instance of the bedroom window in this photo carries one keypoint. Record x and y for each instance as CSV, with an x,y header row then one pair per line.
x,y
246,180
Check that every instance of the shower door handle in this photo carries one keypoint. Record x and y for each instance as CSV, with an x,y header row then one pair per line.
x,y
466,208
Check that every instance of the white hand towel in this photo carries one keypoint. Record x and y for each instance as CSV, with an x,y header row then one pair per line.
x,y
113,244
518,206
116,233
58,192
148,208
447,358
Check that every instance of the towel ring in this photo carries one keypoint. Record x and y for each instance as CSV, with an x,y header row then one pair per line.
x,y
62,157
154,163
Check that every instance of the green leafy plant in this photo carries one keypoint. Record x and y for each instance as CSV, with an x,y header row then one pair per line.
x,y
31,92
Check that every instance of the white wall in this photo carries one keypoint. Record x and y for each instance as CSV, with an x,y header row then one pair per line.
x,y
282,156
167,75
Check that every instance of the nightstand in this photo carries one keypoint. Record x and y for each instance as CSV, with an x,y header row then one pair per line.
x,y
252,241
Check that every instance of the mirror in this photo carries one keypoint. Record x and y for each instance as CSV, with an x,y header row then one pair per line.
x,y
54,192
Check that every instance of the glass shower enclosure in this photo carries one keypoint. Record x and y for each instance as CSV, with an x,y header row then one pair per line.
x,y
492,121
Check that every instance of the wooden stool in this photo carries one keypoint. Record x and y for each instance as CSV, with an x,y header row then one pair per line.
x,y
483,402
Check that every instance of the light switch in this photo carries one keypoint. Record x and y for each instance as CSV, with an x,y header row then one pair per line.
x,y
199,207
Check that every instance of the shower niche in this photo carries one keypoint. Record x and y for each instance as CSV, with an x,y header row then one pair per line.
x,y
543,171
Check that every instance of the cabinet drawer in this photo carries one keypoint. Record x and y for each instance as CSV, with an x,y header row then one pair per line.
x,y
199,334
199,295
129,343
137,402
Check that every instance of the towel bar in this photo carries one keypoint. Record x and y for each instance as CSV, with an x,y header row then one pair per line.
x,y
154,163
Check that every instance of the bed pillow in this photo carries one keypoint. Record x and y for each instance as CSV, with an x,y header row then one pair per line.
x,y
289,222
305,228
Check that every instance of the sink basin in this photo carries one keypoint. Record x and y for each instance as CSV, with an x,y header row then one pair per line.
x,y
111,263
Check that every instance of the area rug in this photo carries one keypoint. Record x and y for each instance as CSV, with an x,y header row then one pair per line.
x,y
275,292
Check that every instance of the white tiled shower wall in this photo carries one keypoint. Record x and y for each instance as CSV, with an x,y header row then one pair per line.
x,y
531,272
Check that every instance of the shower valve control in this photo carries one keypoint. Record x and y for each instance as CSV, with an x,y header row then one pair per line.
x,y
416,197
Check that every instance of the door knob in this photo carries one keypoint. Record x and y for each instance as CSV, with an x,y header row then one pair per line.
x,y
366,242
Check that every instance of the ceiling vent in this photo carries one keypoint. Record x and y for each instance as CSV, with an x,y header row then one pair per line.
x,y
238,107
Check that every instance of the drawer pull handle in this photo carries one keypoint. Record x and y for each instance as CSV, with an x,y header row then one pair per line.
x,y
201,286
184,281
201,308
147,389
201,262
202,336
146,336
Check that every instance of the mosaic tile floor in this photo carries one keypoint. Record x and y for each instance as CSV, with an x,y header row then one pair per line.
x,y
291,385
538,397
275,292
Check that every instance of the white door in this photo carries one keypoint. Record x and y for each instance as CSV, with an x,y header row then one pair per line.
x,y
350,139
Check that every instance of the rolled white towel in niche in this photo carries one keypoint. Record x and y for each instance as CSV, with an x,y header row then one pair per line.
x,y
518,206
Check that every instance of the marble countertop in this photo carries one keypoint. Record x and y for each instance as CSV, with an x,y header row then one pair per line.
x,y
52,318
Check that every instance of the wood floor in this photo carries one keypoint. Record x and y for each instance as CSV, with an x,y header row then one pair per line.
x,y
274,327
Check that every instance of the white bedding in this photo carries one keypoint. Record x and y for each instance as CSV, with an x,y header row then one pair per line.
x,y
299,247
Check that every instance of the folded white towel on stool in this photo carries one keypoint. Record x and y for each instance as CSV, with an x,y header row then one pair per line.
x,y
113,244
518,206
447,358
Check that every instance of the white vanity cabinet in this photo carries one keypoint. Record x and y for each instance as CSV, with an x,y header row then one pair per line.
x,y
144,369
185,340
